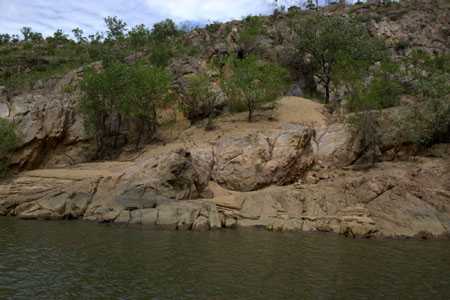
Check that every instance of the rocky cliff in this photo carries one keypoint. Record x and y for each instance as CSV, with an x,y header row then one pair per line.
x,y
50,128
277,174
296,168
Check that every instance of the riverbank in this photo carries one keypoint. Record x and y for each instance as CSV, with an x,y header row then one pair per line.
x,y
292,170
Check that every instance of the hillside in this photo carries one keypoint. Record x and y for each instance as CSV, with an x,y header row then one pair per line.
x,y
362,150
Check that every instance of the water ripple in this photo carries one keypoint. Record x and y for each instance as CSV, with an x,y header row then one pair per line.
x,y
75,260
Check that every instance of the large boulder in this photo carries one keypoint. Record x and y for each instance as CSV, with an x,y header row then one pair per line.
x,y
51,132
255,161
396,200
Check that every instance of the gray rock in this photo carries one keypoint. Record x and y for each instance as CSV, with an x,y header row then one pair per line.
x,y
167,217
201,224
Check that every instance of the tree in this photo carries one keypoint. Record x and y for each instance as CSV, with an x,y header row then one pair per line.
x,y
382,90
29,35
310,5
78,34
164,30
59,37
254,82
139,36
148,90
119,94
336,46
429,81
200,99
253,27
5,38
116,28
26,32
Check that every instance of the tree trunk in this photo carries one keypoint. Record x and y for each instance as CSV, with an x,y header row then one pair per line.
x,y
117,134
250,115
250,108
327,93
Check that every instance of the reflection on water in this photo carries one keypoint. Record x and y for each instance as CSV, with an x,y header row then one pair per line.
x,y
75,260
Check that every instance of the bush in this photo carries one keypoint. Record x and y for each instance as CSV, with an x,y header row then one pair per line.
x,y
8,142
119,95
253,83
382,91
429,79
252,28
429,124
338,49
164,30
200,100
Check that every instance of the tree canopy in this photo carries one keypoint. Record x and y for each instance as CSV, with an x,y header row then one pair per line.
x,y
337,48
254,82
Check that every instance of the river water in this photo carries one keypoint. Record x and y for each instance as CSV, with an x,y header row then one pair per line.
x,y
76,260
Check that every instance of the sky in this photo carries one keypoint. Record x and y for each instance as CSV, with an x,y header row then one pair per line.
x,y
46,16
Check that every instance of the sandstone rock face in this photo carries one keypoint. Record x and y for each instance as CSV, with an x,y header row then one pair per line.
x,y
415,28
398,199
255,161
50,129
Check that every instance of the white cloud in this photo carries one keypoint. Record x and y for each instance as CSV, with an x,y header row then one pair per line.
x,y
205,10
46,16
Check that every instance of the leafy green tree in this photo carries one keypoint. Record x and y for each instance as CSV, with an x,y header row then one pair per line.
x,y
58,38
429,81
8,142
148,90
116,28
254,82
26,32
382,90
59,35
161,53
200,100
164,30
29,35
336,46
5,38
139,36
252,28
78,34
119,94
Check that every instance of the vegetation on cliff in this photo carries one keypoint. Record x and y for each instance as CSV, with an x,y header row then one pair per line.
x,y
122,96
341,55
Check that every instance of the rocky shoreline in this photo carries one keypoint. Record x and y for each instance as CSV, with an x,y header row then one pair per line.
x,y
284,178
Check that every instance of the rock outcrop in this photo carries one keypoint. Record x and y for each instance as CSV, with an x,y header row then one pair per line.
x,y
50,129
283,179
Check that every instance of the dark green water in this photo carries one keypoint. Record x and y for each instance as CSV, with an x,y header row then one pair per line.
x,y
75,260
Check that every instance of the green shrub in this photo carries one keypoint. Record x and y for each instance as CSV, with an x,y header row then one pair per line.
x,y
429,79
383,90
123,94
338,49
200,100
161,54
252,28
8,142
164,30
429,123
253,83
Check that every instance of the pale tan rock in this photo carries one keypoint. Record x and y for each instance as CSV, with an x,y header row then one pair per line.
x,y
201,224
167,217
213,217
125,217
